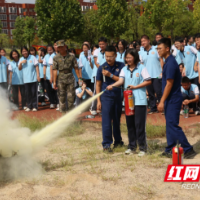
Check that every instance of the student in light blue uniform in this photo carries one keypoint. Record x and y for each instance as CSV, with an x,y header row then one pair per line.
x,y
101,54
48,76
29,66
190,93
188,55
150,58
40,58
136,46
83,93
122,49
4,72
16,79
136,77
190,41
73,51
86,66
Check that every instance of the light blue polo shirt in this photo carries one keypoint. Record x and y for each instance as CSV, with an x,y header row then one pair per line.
x,y
74,73
94,71
84,64
40,66
85,95
193,90
17,76
28,69
46,63
189,58
120,57
101,58
151,61
3,69
136,77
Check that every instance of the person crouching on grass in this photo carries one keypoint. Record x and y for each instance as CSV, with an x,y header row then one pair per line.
x,y
83,93
136,77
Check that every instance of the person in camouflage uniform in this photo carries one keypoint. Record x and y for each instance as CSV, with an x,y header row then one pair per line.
x,y
64,63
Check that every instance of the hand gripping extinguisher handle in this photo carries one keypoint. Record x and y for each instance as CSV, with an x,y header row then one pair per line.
x,y
178,150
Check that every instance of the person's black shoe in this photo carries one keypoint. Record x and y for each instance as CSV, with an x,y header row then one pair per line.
x,y
118,144
189,155
152,112
166,154
107,150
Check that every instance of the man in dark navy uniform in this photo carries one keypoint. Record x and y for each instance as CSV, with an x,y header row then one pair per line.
x,y
110,102
171,101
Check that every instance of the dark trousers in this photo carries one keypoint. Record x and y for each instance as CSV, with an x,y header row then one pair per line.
x,y
173,131
136,125
4,85
195,81
94,103
31,90
111,112
190,97
50,92
89,84
42,98
16,89
155,87
80,100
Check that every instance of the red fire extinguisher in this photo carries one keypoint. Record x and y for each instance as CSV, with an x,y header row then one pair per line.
x,y
129,102
177,155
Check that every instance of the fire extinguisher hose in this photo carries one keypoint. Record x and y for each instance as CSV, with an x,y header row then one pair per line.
x,y
178,150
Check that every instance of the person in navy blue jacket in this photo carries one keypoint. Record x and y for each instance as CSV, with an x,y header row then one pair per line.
x,y
171,101
110,102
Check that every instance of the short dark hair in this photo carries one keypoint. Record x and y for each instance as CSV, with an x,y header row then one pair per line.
x,y
154,43
197,35
110,48
102,39
43,50
185,79
134,53
51,46
159,34
135,44
95,46
123,43
24,47
33,49
72,50
182,64
190,36
14,50
165,41
145,37
179,39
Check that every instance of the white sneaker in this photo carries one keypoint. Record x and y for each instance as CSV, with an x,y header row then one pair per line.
x,y
24,107
34,110
197,112
141,153
44,104
52,106
57,109
129,151
93,112
58,105
182,112
28,109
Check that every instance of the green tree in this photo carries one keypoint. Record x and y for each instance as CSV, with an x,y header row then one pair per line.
x,y
18,32
113,17
58,19
91,30
29,30
196,14
4,40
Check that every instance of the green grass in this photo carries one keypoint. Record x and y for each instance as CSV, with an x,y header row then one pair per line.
x,y
153,131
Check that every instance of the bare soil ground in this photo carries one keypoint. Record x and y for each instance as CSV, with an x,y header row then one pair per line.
x,y
76,168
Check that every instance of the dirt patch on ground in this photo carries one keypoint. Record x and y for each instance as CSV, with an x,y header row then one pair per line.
x,y
76,168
